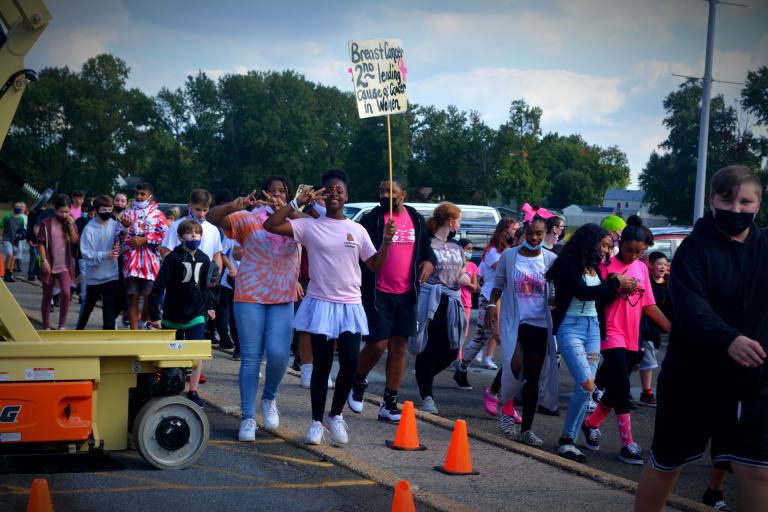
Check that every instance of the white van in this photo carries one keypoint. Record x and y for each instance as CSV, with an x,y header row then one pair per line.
x,y
470,214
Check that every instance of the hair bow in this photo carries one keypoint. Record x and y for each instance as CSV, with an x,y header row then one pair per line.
x,y
530,213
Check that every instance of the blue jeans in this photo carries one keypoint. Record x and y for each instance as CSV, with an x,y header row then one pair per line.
x,y
263,329
579,340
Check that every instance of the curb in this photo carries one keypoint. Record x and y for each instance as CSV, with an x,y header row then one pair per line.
x,y
581,470
438,502
338,457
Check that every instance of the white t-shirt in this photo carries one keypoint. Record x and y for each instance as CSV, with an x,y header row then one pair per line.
x,y
335,247
210,244
227,249
489,273
530,287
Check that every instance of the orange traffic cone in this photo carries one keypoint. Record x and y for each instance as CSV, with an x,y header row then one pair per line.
x,y
40,497
406,437
458,462
403,498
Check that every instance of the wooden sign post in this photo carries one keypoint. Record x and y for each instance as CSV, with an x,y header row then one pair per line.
x,y
378,74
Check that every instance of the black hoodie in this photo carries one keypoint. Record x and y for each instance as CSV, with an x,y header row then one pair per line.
x,y
718,288
184,277
373,222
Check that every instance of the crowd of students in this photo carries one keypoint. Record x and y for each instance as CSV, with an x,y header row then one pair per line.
x,y
401,283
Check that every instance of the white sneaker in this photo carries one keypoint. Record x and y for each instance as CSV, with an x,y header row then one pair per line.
x,y
479,356
142,325
490,364
316,433
337,428
270,414
591,405
330,382
248,430
428,405
306,375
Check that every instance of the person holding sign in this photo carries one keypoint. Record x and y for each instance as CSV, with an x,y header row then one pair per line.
x,y
332,307
390,296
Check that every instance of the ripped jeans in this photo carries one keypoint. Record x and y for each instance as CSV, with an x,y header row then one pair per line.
x,y
579,341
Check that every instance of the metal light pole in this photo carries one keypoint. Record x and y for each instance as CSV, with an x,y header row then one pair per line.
x,y
701,171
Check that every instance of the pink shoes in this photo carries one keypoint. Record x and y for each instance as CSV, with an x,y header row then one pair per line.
x,y
490,403
509,410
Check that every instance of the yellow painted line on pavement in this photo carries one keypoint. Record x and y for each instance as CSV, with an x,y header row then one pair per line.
x,y
341,483
281,457
139,479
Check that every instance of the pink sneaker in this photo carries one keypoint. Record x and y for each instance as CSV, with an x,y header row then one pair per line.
x,y
517,417
490,403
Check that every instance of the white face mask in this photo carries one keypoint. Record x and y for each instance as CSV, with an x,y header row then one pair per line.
x,y
142,204
319,209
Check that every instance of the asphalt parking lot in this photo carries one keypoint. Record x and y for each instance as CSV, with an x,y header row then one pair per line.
x,y
269,474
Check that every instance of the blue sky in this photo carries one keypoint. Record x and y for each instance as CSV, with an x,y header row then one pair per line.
x,y
600,68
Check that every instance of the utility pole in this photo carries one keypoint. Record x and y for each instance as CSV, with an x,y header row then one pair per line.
x,y
701,170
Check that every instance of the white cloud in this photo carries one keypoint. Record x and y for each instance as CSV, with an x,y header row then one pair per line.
x,y
565,97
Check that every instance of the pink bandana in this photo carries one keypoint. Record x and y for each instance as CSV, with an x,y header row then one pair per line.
x,y
530,213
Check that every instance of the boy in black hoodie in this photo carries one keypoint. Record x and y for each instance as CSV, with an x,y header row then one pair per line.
x,y
184,277
712,384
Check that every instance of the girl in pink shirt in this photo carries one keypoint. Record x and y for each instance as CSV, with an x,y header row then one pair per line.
x,y
332,307
620,348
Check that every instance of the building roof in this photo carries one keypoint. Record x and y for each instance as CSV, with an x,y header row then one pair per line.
x,y
597,209
614,194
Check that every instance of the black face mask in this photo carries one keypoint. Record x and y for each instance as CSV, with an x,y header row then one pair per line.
x,y
106,216
510,241
118,209
732,223
384,203
451,234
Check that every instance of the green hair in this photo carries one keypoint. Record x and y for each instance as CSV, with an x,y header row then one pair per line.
x,y
613,223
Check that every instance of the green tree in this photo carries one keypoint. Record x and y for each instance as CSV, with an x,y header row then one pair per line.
x,y
669,179
521,175
754,96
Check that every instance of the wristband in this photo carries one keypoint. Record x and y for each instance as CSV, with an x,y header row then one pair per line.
x,y
490,306
387,242
44,261
294,204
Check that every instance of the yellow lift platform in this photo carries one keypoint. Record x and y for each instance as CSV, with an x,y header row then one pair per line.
x,y
81,392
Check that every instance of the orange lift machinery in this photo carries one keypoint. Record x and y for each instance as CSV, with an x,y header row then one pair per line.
x,y
67,396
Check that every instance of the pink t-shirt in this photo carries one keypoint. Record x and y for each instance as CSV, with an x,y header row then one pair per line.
x,y
336,246
396,276
58,248
466,293
75,211
622,316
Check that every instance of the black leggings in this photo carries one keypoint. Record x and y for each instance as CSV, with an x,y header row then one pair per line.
x,y
438,354
108,311
614,376
532,341
322,350
496,386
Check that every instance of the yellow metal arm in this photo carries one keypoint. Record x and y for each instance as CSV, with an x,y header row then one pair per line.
x,y
24,20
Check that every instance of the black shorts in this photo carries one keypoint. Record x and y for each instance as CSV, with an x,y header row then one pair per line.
x,y
533,339
738,429
393,315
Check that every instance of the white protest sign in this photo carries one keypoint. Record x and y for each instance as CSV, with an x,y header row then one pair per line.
x,y
378,72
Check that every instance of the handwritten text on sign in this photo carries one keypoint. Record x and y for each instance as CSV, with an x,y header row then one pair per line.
x,y
378,72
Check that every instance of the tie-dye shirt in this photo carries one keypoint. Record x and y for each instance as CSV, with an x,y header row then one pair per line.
x,y
269,269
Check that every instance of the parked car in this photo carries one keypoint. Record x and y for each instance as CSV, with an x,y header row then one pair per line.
x,y
477,224
470,214
668,239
